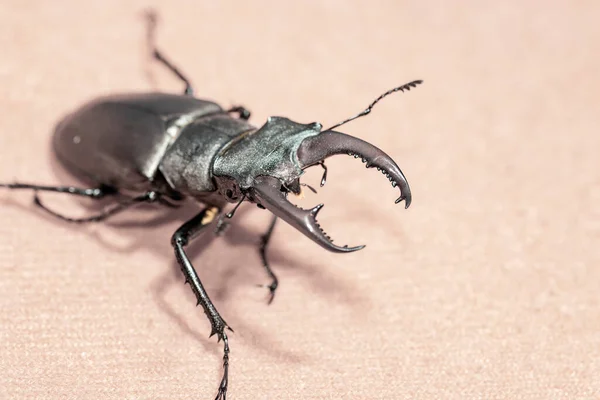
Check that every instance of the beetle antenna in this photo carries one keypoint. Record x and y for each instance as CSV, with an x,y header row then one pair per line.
x,y
231,213
367,110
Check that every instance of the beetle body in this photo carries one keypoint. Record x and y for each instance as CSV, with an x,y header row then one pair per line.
x,y
169,148
177,146
143,142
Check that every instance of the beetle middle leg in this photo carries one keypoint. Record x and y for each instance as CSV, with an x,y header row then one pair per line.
x,y
147,197
97,193
188,231
93,193
264,241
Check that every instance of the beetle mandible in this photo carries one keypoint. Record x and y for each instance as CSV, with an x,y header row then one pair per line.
x,y
169,148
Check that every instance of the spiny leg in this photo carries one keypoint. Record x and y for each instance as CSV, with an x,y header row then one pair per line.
x,y
264,241
180,239
151,36
109,211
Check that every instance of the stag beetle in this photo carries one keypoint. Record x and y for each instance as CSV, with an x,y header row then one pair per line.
x,y
168,148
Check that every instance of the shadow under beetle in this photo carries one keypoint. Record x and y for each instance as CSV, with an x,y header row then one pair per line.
x,y
167,148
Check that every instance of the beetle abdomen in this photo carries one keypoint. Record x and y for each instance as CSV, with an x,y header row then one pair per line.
x,y
121,140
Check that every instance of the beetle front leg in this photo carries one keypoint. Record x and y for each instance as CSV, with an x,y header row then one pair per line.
x,y
180,239
264,241
242,112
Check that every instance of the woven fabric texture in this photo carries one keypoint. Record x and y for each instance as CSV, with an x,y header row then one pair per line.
x,y
487,287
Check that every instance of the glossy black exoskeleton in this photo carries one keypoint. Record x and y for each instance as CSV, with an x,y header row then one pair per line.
x,y
168,148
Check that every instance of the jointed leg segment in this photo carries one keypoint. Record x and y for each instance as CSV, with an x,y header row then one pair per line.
x,y
108,212
242,111
180,239
264,241
158,56
92,193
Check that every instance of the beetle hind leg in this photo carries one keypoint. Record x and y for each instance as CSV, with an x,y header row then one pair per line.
x,y
158,55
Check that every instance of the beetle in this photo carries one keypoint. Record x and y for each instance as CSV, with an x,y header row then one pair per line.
x,y
170,148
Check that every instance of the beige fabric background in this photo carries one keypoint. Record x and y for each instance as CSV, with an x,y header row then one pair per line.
x,y
486,288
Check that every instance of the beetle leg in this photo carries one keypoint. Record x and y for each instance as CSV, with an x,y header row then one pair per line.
x,y
109,211
152,21
180,239
264,241
223,221
324,178
94,193
242,111
189,90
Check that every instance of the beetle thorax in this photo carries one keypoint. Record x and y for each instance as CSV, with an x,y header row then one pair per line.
x,y
269,151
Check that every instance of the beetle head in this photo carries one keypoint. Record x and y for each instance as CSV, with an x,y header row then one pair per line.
x,y
266,165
